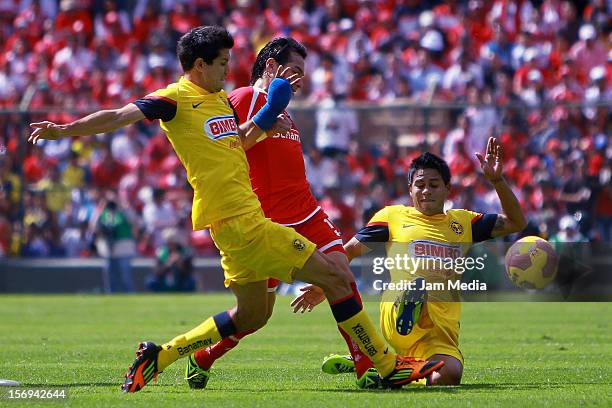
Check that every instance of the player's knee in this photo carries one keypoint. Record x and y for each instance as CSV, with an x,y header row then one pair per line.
x,y
450,374
256,322
250,319
450,379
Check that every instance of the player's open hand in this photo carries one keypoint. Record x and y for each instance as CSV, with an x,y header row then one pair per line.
x,y
44,130
288,74
312,295
491,163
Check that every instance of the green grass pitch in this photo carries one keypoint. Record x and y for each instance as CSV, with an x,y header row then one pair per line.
x,y
517,354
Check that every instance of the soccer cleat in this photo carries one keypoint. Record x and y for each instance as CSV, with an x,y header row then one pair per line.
x,y
196,376
143,369
369,380
337,364
408,369
409,307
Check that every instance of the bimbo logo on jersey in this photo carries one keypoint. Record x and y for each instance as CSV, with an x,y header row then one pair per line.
x,y
219,127
431,249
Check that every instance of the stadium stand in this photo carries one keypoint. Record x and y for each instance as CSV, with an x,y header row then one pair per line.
x,y
536,74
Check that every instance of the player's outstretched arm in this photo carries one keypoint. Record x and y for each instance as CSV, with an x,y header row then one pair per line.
x,y
513,219
313,295
99,122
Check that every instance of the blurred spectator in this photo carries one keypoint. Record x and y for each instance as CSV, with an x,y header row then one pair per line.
x,y
10,183
106,171
74,174
6,228
603,208
336,126
568,231
454,137
589,51
483,120
35,166
115,242
497,53
77,239
463,72
321,171
35,245
532,93
426,75
57,194
598,91
174,269
159,215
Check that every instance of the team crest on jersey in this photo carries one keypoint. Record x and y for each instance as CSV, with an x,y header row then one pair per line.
x,y
298,244
222,126
456,227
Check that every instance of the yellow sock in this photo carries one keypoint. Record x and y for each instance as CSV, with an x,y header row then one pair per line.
x,y
361,329
204,335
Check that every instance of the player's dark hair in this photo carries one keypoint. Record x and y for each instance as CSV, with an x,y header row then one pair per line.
x,y
429,161
280,49
204,42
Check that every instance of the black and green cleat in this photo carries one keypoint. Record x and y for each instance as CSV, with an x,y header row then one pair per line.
x,y
369,380
196,377
338,364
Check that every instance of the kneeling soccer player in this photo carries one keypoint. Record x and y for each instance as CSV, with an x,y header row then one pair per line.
x,y
415,322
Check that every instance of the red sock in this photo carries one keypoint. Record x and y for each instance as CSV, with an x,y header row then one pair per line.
x,y
206,357
362,362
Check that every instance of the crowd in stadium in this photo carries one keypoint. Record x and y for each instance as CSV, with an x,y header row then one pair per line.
x,y
536,74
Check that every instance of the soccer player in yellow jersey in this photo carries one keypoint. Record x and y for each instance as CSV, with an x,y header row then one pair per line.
x,y
414,322
200,123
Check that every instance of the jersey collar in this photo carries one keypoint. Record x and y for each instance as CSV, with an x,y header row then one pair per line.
x,y
184,81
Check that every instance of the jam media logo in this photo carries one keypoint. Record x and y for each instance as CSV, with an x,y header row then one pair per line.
x,y
222,126
430,249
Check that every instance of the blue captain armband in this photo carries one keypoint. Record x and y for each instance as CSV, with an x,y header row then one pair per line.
x,y
279,95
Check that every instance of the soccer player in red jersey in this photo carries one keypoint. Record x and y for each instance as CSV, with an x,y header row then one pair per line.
x,y
278,178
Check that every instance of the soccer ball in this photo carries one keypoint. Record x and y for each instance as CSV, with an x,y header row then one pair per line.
x,y
531,263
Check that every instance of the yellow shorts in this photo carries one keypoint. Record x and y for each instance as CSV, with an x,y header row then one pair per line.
x,y
253,248
434,333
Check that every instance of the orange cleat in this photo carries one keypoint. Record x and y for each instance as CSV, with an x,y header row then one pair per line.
x,y
408,369
143,369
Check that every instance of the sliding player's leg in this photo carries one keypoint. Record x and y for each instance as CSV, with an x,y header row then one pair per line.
x,y
335,279
361,363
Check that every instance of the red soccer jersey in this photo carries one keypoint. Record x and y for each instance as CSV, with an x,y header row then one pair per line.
x,y
277,170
